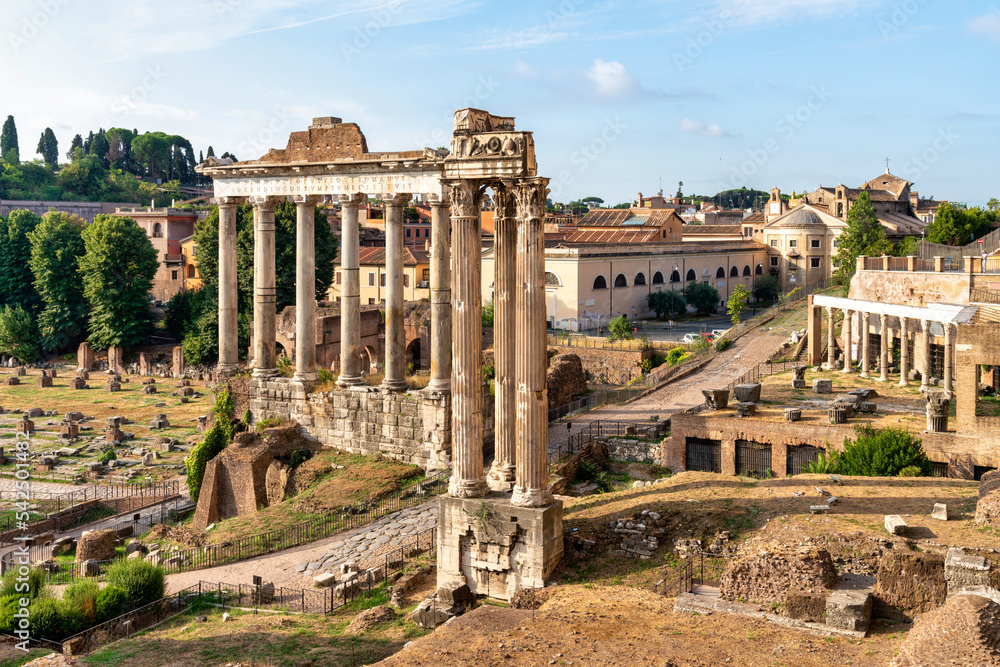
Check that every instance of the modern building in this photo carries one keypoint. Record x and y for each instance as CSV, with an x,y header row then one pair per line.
x,y
166,229
802,246
416,275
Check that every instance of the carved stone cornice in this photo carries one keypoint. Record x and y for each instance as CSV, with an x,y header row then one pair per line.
x,y
530,194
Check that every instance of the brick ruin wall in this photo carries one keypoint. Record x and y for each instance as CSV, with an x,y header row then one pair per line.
x,y
631,450
608,366
960,452
414,427
976,345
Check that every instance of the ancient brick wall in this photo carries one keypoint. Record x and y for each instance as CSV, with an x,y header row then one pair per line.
x,y
977,344
414,427
960,452
608,366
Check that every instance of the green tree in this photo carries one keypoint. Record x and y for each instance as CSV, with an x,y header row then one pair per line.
x,y
84,178
881,453
958,226
666,303
152,151
906,247
117,267
56,248
863,235
737,303
9,149
16,282
595,200
702,296
75,151
680,188
621,329
325,251
488,311
99,148
210,152
48,148
18,334
766,288
993,204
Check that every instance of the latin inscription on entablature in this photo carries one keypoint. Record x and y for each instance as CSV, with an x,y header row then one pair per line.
x,y
329,184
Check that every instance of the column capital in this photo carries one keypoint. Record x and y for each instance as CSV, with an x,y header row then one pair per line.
x,y
229,201
529,196
302,200
925,325
265,201
439,200
396,198
466,197
355,199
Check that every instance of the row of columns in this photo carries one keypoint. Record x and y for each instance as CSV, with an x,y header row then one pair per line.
x,y
264,320
905,362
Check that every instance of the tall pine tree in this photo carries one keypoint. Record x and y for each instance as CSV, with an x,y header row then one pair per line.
x,y
75,151
48,148
9,149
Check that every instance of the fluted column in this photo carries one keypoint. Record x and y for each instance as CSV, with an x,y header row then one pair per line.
x,y
904,350
265,363
350,293
949,357
440,297
848,344
467,479
884,352
831,345
305,288
925,354
228,315
866,321
395,334
502,473
531,486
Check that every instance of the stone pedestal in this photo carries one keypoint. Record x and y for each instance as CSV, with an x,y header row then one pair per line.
x,y
821,386
837,414
799,376
746,409
495,547
85,357
793,414
44,381
177,357
747,392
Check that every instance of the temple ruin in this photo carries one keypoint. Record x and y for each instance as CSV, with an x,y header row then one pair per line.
x,y
497,531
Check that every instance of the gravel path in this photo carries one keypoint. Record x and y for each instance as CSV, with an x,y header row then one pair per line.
x,y
294,568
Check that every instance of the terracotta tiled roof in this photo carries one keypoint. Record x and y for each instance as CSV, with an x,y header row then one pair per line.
x,y
614,236
376,256
720,230
626,218
605,217
755,218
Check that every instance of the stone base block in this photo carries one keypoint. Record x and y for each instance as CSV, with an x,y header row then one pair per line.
x,y
747,393
495,547
798,384
849,610
940,512
963,571
894,524
821,386
807,606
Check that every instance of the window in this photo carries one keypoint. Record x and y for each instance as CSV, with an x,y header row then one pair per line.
x,y
664,233
408,232
191,271
759,271
734,272
793,243
173,275
774,243
552,280
691,275
157,231
371,279
640,279
339,279
814,262
427,233
814,243
746,270
675,276
621,280
600,282
774,261
836,243
381,279
658,278
406,280
426,275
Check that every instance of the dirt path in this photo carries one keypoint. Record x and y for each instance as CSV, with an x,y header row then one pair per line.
x,y
746,353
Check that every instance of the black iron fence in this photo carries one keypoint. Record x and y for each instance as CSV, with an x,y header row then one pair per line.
x,y
698,570
598,399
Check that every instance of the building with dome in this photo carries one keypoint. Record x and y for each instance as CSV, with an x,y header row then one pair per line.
x,y
802,245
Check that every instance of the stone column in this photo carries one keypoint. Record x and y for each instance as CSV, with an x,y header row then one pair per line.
x,y
531,487
502,473
440,297
265,363
848,343
866,321
305,288
395,333
831,347
350,293
949,357
884,352
925,354
467,479
228,322
904,351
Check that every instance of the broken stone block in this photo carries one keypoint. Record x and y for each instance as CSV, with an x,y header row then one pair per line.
x,y
822,386
849,610
90,568
429,614
793,414
937,411
962,570
20,371
746,409
808,606
837,414
26,426
202,423
894,524
716,399
160,421
940,512
149,389
78,383
747,393
113,386
11,381
186,391
44,381
455,593
325,579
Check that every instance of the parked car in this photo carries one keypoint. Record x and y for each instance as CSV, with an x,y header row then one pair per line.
x,y
716,333
693,337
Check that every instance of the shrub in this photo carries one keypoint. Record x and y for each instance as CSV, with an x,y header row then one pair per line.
x,y
722,344
703,345
9,585
882,453
621,329
488,311
214,441
54,619
141,581
910,471
676,355
110,603
825,464
82,596
107,456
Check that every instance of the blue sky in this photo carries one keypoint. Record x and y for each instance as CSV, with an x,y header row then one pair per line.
x,y
619,93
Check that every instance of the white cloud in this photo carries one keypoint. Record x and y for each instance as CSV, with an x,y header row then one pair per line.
x,y
611,79
766,11
516,39
988,24
702,129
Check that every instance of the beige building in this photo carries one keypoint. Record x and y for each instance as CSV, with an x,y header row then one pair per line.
x,y
416,275
587,285
802,246
166,229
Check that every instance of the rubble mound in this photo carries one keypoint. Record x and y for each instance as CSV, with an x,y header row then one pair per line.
x,y
766,572
369,618
966,631
96,545
526,598
911,582
566,379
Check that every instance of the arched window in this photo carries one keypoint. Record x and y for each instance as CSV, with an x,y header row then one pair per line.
x,y
675,276
691,275
621,280
759,271
157,230
190,270
746,270
721,272
734,272
640,279
552,280
658,278
600,282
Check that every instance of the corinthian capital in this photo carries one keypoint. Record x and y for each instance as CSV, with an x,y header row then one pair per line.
x,y
466,198
530,194
504,199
